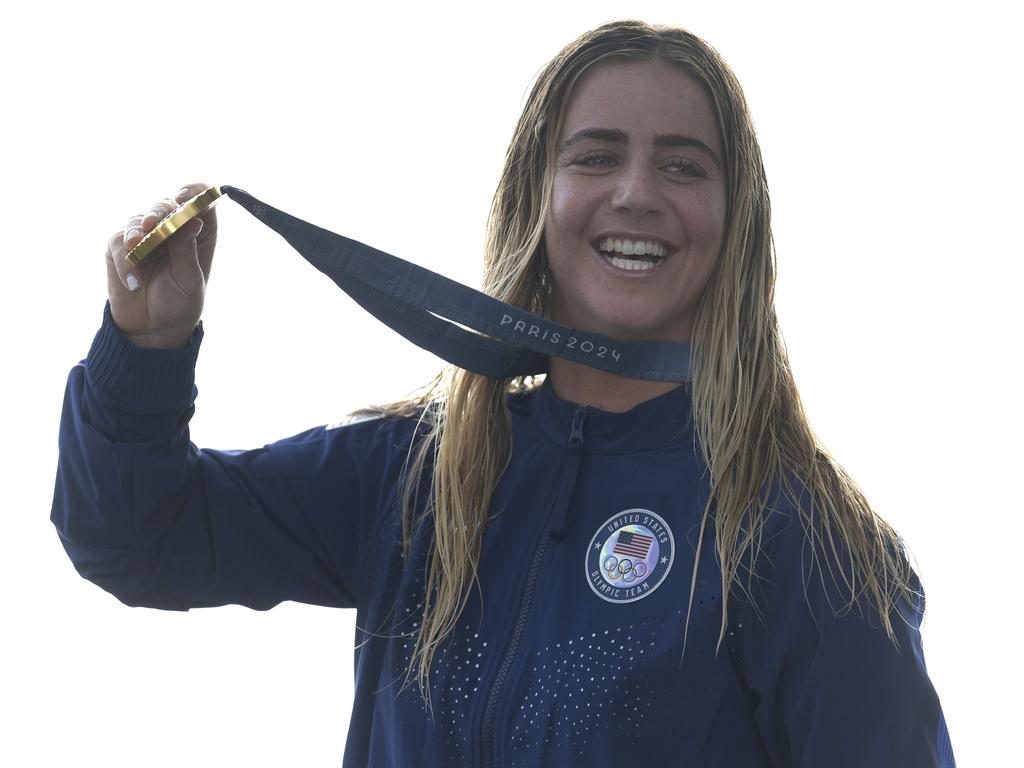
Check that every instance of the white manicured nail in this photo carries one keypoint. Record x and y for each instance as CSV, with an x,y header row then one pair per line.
x,y
133,283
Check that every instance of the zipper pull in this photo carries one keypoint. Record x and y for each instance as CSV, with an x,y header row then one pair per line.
x,y
576,434
567,478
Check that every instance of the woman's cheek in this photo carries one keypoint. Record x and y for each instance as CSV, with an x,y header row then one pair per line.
x,y
563,225
562,197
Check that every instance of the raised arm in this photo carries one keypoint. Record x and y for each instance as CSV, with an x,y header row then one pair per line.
x,y
159,522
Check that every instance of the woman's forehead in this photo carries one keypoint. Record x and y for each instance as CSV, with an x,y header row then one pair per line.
x,y
640,97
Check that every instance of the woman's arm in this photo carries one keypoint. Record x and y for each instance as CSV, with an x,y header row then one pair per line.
x,y
831,690
158,522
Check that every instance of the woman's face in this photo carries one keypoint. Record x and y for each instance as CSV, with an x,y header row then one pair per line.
x,y
636,162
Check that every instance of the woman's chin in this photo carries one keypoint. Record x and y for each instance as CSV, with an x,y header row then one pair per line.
x,y
627,322
630,329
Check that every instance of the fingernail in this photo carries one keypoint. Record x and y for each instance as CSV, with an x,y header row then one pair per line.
x,y
132,233
133,283
183,192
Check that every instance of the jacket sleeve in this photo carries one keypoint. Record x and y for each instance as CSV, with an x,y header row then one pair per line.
x,y
832,690
158,522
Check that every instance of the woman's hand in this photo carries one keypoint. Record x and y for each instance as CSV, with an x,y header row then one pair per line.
x,y
159,303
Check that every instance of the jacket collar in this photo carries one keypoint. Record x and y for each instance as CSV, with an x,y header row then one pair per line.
x,y
661,421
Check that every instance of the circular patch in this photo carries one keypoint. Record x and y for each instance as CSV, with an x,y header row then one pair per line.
x,y
629,556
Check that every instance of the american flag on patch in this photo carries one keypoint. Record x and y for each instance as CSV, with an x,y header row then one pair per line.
x,y
632,544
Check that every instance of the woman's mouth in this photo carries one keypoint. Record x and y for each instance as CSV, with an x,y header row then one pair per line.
x,y
631,255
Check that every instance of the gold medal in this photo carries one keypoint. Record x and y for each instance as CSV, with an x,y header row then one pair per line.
x,y
171,223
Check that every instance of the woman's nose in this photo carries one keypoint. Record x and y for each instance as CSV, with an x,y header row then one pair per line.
x,y
636,189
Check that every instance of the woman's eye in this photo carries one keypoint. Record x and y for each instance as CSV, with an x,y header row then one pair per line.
x,y
684,167
602,160
596,160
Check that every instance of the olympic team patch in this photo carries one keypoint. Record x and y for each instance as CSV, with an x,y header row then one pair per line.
x,y
630,556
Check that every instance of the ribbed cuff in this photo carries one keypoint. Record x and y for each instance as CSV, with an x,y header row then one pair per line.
x,y
138,378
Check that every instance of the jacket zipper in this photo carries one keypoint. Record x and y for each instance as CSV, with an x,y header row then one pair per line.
x,y
560,516
560,520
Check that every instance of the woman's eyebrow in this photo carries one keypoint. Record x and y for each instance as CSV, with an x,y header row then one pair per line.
x,y
620,137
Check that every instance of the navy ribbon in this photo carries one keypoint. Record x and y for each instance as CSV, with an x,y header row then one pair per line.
x,y
429,310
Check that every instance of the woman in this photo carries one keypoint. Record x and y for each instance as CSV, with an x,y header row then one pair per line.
x,y
650,559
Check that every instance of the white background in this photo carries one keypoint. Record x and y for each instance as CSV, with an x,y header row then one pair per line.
x,y
891,139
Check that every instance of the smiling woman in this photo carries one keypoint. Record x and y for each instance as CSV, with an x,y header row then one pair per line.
x,y
636,168
651,557
645,180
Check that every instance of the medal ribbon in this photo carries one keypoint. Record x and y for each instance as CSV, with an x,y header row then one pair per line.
x,y
434,312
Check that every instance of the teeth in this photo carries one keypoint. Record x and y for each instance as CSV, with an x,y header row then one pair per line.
x,y
633,247
633,264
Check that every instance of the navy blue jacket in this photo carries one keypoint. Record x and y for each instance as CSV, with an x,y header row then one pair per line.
x,y
571,652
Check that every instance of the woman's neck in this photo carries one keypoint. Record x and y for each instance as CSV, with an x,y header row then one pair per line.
x,y
589,386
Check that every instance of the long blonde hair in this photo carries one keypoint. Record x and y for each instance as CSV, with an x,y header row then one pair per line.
x,y
749,422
